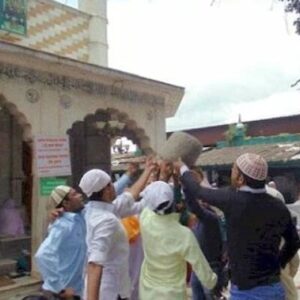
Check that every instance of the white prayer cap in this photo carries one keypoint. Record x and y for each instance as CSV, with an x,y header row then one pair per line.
x,y
94,181
157,193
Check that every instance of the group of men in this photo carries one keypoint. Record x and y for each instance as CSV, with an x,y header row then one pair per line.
x,y
86,252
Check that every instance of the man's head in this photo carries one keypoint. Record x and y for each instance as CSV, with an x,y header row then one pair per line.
x,y
249,169
97,185
68,198
165,170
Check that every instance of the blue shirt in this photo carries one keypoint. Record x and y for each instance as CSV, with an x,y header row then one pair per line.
x,y
61,256
122,183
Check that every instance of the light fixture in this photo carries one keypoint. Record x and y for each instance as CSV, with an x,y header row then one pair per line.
x,y
111,127
121,125
100,124
113,123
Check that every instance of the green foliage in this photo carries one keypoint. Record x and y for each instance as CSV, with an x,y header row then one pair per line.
x,y
294,6
235,134
230,134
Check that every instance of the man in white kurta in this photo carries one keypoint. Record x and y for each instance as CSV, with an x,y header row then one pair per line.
x,y
107,244
167,247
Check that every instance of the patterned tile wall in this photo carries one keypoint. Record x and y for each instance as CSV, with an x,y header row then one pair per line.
x,y
54,28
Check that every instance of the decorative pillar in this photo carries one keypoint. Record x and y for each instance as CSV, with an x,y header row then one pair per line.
x,y
98,47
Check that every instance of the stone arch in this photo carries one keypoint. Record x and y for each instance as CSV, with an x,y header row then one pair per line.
x,y
131,130
19,117
16,176
90,144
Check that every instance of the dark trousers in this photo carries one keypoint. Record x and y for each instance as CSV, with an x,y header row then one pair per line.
x,y
201,293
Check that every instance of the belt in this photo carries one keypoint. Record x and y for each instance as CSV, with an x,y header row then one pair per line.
x,y
266,281
54,296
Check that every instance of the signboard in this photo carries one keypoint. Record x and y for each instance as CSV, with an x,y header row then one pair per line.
x,y
13,16
52,156
48,184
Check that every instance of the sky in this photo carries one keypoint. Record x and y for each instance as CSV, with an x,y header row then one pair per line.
x,y
232,56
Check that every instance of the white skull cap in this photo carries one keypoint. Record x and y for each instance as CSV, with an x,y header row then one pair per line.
x,y
253,165
157,193
94,181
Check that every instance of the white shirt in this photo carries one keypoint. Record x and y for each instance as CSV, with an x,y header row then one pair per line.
x,y
274,193
107,243
294,209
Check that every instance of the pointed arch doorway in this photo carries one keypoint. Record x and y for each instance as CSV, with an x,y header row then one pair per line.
x,y
16,181
91,140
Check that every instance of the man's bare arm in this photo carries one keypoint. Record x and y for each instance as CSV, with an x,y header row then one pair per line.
x,y
94,274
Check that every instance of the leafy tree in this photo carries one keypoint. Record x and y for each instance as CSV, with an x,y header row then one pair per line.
x,y
294,6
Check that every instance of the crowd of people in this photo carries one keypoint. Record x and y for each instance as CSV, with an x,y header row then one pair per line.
x,y
150,237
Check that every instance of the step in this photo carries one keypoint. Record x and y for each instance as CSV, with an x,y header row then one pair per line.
x,y
23,287
7,266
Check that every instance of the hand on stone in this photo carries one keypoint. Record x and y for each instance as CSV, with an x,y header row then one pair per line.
x,y
177,165
166,170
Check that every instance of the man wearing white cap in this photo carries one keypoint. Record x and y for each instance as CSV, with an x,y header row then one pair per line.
x,y
167,247
60,258
256,222
108,248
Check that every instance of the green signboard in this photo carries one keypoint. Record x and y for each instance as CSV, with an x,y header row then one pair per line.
x,y
13,16
47,184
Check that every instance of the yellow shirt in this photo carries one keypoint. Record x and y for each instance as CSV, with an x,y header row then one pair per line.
x,y
287,278
167,247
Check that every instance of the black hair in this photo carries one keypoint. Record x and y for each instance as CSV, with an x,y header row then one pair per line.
x,y
161,207
253,183
97,196
60,205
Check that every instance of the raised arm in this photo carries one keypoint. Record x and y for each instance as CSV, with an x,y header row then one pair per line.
x,y
122,183
125,204
216,197
140,184
196,208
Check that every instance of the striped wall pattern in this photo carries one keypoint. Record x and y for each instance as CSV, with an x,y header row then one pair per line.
x,y
55,28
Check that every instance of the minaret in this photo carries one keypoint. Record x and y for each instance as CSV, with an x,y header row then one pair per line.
x,y
98,47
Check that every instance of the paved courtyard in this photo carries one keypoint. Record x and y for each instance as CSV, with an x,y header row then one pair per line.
x,y
21,295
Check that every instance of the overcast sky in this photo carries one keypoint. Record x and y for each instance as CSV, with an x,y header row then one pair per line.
x,y
232,56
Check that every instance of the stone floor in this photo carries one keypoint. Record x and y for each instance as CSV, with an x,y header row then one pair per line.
x,y
21,294
297,283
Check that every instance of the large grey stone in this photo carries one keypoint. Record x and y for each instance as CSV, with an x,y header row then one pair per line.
x,y
181,145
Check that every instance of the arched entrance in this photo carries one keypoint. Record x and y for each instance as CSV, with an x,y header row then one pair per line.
x,y
15,184
91,140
